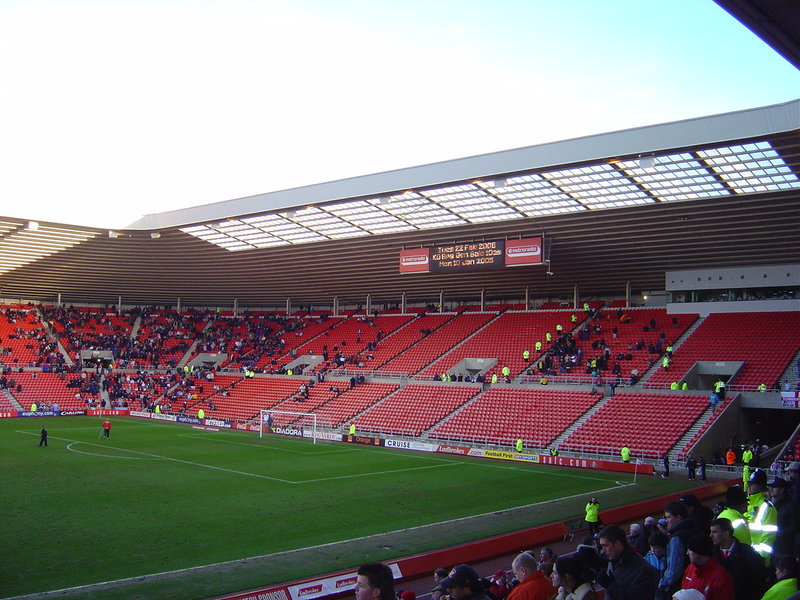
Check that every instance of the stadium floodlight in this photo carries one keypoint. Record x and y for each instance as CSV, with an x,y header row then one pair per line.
x,y
292,423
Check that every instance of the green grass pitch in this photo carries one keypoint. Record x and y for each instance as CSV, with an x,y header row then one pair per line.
x,y
159,497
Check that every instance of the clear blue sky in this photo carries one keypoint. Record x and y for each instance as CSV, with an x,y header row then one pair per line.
x,y
114,109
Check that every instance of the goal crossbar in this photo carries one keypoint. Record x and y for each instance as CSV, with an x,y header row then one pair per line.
x,y
282,418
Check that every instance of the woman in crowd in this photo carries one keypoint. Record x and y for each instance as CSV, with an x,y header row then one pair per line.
x,y
573,580
786,572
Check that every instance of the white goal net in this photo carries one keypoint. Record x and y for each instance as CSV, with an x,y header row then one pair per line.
x,y
288,423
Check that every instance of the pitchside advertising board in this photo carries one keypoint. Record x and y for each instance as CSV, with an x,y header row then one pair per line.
x,y
469,256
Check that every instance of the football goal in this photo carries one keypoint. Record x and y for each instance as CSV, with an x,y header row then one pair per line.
x,y
291,423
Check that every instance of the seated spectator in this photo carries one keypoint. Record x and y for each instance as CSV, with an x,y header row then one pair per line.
x,y
498,584
657,556
573,579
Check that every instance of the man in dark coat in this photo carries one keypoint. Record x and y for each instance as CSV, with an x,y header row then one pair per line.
x,y
628,576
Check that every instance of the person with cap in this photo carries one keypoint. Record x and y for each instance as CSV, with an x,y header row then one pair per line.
x,y
704,573
374,581
793,477
778,494
498,584
628,576
643,543
750,574
698,512
786,573
761,515
747,455
735,507
533,584
680,529
463,583
437,592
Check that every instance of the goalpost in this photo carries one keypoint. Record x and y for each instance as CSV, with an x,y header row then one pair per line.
x,y
289,421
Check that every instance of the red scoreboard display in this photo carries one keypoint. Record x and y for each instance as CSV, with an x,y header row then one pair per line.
x,y
469,256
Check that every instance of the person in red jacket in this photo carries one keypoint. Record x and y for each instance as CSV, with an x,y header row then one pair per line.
x,y
533,584
704,573
106,429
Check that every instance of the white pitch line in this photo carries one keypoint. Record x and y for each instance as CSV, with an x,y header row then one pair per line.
x,y
234,471
354,475
177,460
71,449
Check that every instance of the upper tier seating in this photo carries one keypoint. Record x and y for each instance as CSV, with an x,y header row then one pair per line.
x,y
19,328
415,408
506,414
765,341
403,339
298,332
438,342
628,335
504,338
350,337
649,424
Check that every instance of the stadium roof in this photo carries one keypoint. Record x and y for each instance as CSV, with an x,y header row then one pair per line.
x,y
619,207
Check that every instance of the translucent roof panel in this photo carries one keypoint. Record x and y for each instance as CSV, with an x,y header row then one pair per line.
x,y
24,243
614,183
675,177
751,168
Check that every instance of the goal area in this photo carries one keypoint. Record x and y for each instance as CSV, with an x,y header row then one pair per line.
x,y
292,423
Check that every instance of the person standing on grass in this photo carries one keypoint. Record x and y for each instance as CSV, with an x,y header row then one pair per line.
x,y
375,581
106,429
43,438
592,517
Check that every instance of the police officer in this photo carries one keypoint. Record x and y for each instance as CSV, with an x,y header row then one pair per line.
x,y
761,515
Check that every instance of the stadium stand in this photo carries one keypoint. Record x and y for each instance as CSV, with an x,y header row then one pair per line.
x,y
438,342
504,339
353,401
248,396
403,339
70,392
22,337
348,338
503,415
765,341
649,424
630,338
415,408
